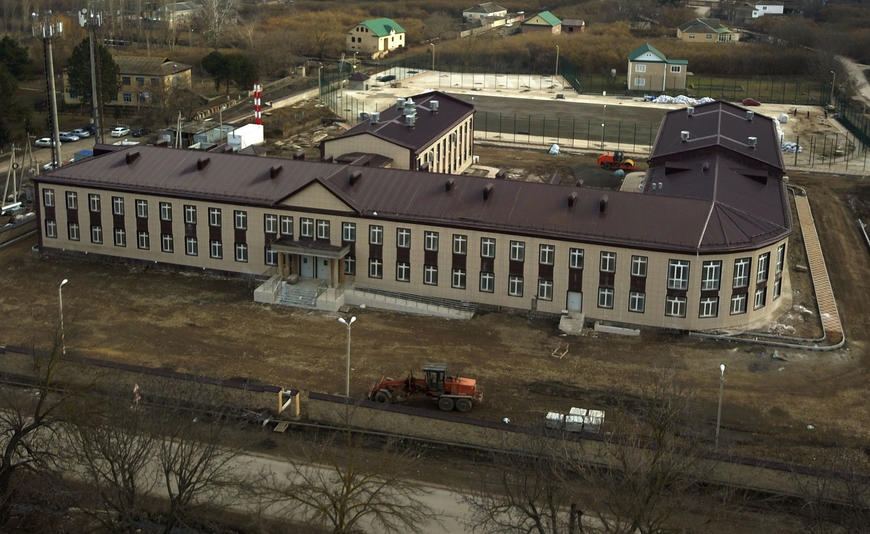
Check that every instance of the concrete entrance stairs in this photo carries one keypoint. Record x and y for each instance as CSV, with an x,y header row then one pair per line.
x,y
304,293
572,323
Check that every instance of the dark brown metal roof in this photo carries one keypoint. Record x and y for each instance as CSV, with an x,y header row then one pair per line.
x,y
722,125
429,125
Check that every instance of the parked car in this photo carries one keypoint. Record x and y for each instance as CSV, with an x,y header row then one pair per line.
x,y
68,137
51,165
81,132
386,78
751,102
44,142
120,131
139,132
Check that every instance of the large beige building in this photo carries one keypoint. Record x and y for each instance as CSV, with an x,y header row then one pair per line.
x,y
431,131
703,246
651,70
376,37
145,81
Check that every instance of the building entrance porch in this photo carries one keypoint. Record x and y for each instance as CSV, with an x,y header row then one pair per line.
x,y
317,260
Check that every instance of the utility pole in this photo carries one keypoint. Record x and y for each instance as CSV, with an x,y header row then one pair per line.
x,y
556,75
46,29
91,21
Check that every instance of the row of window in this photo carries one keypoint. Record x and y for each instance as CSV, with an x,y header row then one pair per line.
x,y
675,305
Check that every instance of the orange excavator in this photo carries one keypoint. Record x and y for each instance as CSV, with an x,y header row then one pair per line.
x,y
450,392
617,160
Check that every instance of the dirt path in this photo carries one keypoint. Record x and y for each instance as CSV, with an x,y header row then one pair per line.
x,y
859,79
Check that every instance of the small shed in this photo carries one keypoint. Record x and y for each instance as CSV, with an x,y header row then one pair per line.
x,y
573,25
359,81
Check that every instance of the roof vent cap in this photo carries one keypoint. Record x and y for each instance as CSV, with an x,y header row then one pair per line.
x,y
602,204
750,114
275,171
299,155
354,177
131,157
705,166
450,184
400,103
375,117
752,142
572,199
487,191
202,162
690,111
410,120
434,105
684,135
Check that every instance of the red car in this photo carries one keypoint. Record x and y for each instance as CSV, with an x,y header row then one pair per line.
x,y
751,102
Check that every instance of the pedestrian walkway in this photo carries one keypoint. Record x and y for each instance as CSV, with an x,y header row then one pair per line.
x,y
828,312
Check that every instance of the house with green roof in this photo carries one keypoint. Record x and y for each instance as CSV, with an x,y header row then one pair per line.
x,y
376,37
706,30
543,22
651,70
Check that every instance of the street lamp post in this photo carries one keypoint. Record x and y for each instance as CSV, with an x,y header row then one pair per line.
x,y
719,411
433,56
833,80
603,122
347,371
60,312
557,63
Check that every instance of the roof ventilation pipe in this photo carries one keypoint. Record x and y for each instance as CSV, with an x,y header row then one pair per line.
x,y
602,204
375,117
131,157
275,171
450,184
354,177
684,135
409,107
752,142
572,199
400,103
690,111
202,162
433,105
750,114
500,174
300,155
487,192
411,120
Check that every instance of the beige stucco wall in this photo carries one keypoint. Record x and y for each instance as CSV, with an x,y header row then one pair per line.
x,y
453,156
368,42
164,85
318,198
708,37
655,77
368,143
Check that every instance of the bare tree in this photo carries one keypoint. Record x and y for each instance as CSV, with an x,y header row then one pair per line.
x,y
836,498
215,15
342,487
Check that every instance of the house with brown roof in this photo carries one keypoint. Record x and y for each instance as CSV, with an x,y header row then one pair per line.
x,y
145,81
706,30
431,131
573,25
701,247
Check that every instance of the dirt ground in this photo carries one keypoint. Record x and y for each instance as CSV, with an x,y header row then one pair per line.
x,y
208,324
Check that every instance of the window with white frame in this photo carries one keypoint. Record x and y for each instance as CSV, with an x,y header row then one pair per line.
x,y
72,200
678,68
48,198
760,297
286,225
738,304
763,262
518,251
166,243
97,234
240,219
640,82
636,301
191,246
403,271
94,203
710,274
638,266
216,249
348,232
709,307
165,211
376,234
143,240
639,68
780,258
546,254
575,258
777,288
487,282
678,274
306,227
487,247
545,289
271,256
460,244
515,286
605,297
189,214
430,275
376,268
214,217
430,241
50,228
608,262
241,252
141,209
117,205
120,237
270,223
350,265
323,229
403,238
741,272
73,231
675,306
457,279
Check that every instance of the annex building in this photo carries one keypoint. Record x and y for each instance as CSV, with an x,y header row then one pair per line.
x,y
702,246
